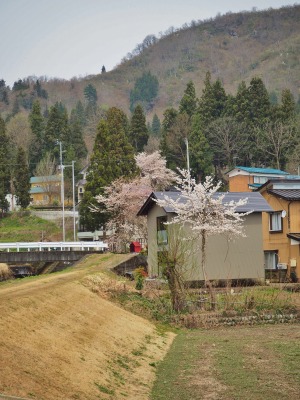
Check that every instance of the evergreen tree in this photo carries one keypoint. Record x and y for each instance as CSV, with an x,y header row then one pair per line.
x,y
188,103
90,94
170,116
103,69
145,90
259,102
287,110
112,157
78,113
36,147
200,152
156,126
4,168
78,144
21,179
138,134
212,103
57,128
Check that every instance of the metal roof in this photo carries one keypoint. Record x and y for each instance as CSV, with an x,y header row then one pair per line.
x,y
255,203
267,171
294,236
45,179
287,194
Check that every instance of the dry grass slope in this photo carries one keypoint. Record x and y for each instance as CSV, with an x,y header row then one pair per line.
x,y
59,340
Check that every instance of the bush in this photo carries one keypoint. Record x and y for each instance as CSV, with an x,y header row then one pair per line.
x,y
139,276
5,272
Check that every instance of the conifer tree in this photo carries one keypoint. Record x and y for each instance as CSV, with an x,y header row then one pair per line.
x,y
170,115
188,103
4,168
57,128
156,126
259,102
112,157
138,134
200,152
36,147
287,110
78,144
21,179
212,103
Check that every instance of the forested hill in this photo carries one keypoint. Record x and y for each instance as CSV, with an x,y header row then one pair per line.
x,y
233,47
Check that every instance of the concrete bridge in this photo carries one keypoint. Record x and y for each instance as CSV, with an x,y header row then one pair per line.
x,y
19,252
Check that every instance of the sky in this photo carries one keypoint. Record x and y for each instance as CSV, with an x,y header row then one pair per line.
x,y
74,38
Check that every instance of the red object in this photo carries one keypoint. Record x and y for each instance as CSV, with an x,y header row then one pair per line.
x,y
135,247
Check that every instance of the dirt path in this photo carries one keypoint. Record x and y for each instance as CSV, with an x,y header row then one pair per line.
x,y
60,341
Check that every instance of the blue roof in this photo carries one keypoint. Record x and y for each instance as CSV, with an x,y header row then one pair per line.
x,y
253,170
45,179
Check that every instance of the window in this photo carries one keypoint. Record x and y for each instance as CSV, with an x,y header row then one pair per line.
x,y
260,179
276,222
271,258
162,236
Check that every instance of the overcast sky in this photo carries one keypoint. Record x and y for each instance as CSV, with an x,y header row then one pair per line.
x,y
67,38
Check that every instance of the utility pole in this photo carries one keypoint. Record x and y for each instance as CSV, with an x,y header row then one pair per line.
x,y
62,192
73,188
73,185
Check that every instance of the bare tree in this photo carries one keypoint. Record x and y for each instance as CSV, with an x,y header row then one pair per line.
x,y
276,139
45,170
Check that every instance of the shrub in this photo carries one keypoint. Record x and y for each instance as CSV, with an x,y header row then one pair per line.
x,y
5,272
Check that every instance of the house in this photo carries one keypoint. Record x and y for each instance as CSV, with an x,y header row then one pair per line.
x,y
45,190
81,183
281,228
242,258
247,179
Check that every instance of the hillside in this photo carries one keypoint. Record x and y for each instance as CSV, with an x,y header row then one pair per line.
x,y
61,341
233,47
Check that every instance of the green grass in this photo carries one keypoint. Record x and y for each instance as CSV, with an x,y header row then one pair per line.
x,y
254,363
24,227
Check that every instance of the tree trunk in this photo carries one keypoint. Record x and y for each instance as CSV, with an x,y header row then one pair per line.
x,y
203,265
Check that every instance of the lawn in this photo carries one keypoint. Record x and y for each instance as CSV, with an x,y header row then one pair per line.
x,y
253,363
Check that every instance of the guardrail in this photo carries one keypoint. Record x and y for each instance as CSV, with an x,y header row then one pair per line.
x,y
58,246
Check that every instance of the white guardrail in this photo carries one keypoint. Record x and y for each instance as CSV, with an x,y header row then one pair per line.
x,y
59,246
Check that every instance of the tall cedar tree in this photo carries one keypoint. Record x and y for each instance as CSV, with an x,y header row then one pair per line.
x,y
156,126
4,168
21,179
57,128
188,103
212,103
201,155
112,157
90,94
259,102
78,143
138,135
36,147
170,116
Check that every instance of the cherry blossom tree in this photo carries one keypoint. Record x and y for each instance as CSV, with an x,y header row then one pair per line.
x,y
123,198
200,211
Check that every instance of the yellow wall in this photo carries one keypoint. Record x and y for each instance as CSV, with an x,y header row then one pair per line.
x,y
240,183
290,224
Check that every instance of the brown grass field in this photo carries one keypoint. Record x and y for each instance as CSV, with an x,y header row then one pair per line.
x,y
61,341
